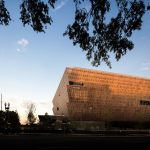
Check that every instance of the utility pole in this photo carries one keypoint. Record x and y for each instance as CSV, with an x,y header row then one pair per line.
x,y
1,102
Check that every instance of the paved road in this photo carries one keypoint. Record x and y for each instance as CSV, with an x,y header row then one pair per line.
x,y
57,141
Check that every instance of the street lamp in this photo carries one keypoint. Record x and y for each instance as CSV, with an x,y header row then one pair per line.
x,y
7,106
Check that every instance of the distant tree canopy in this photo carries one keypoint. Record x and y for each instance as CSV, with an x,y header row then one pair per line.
x,y
31,119
94,29
10,118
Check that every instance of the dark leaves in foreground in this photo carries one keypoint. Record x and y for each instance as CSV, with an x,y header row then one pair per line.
x,y
93,29
36,14
4,14
98,37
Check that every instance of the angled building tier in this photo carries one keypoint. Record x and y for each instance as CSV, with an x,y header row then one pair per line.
x,y
90,95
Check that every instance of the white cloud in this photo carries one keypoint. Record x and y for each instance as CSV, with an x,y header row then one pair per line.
x,y
23,42
18,50
62,4
145,66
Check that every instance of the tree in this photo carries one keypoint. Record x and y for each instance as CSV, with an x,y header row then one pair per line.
x,y
31,119
9,120
91,29
13,119
2,120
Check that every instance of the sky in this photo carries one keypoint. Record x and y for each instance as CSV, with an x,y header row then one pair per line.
x,y
32,64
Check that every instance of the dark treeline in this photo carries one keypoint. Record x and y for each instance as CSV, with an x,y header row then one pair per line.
x,y
10,124
9,120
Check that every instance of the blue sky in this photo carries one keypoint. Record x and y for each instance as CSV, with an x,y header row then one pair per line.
x,y
32,64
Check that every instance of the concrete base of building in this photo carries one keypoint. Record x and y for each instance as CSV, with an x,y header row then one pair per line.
x,y
88,125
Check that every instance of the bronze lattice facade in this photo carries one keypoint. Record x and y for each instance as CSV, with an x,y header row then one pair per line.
x,y
89,95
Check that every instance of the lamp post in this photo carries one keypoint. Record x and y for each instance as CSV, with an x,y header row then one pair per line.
x,y
1,102
7,107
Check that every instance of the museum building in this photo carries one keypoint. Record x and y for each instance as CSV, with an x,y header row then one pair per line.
x,y
91,95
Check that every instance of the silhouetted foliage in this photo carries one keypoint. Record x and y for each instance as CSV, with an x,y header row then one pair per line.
x,y
97,36
2,119
4,14
35,13
31,119
9,120
93,29
13,118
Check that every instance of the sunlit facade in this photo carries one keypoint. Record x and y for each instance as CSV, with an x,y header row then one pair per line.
x,y
90,95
